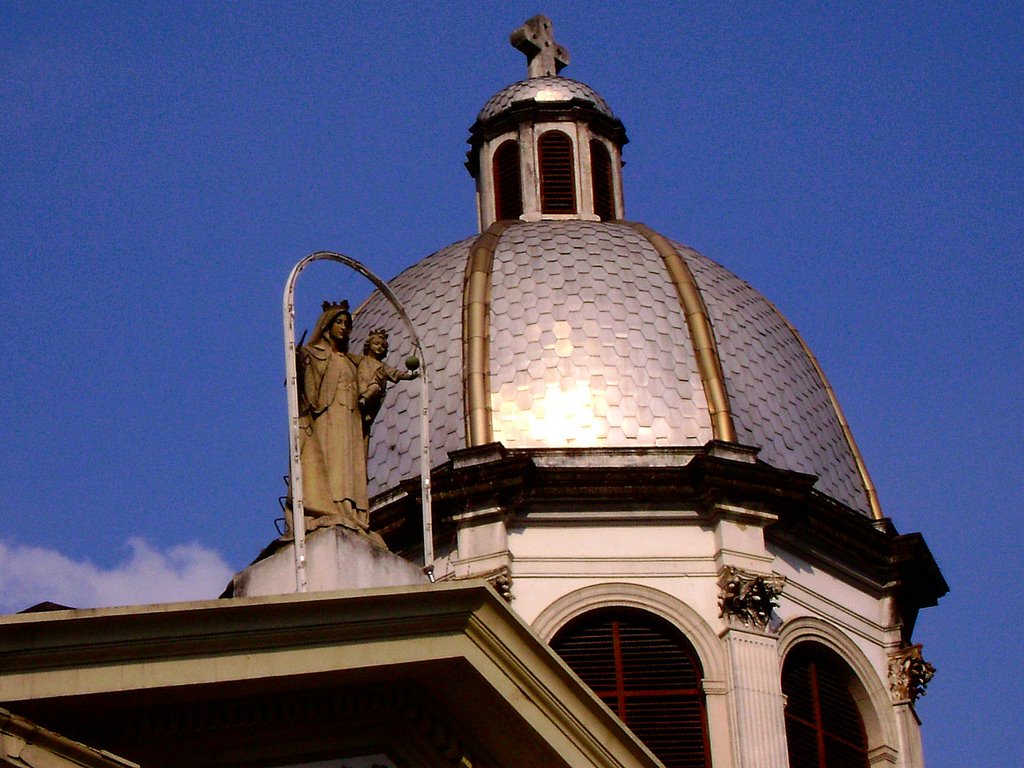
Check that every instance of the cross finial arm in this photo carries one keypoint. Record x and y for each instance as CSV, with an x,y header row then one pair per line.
x,y
543,54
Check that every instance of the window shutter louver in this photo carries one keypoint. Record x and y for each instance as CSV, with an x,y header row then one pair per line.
x,y
601,179
508,192
557,173
824,728
648,674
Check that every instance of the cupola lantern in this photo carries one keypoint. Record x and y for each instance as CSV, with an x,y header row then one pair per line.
x,y
546,147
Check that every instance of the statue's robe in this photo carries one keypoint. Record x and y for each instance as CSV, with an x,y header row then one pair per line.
x,y
332,447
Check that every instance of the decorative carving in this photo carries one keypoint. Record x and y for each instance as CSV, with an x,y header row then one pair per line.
x,y
749,597
340,395
909,674
501,580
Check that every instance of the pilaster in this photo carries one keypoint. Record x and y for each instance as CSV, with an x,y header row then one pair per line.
x,y
584,175
911,753
528,171
909,675
739,538
747,598
482,547
759,726
716,699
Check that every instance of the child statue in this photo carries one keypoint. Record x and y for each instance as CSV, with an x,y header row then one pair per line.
x,y
374,376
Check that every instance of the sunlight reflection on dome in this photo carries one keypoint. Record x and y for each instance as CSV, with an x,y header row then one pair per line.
x,y
563,415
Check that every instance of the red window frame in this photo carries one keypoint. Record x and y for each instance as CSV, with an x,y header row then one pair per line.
x,y
508,185
648,674
557,172
824,728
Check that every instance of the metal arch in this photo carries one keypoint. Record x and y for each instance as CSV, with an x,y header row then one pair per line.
x,y
291,384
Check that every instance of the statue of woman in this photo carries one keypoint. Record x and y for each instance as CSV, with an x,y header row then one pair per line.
x,y
331,440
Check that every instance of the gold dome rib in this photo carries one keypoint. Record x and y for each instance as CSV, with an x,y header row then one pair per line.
x,y
709,363
476,331
862,469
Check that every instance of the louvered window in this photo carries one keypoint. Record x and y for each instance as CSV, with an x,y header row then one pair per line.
x,y
824,728
557,173
601,178
508,192
648,674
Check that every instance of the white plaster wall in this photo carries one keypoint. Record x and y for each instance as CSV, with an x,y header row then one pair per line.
x,y
865,618
680,558
549,563
335,559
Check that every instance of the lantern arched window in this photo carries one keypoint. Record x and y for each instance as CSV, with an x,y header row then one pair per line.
x,y
508,188
601,179
557,173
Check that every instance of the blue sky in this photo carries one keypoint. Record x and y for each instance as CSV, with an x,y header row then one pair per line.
x,y
165,164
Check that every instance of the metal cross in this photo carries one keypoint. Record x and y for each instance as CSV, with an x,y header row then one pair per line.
x,y
543,54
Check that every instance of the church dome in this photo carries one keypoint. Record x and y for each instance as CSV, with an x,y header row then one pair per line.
x,y
543,90
588,346
564,325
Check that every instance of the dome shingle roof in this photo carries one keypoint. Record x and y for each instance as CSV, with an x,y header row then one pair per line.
x,y
589,347
552,88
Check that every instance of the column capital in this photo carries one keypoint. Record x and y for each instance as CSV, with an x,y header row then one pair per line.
x,y
749,598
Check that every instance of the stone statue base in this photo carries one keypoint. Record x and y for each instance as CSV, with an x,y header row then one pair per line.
x,y
345,521
337,558
348,522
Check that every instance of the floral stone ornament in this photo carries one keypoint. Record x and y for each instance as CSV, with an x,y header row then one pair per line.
x,y
909,674
749,597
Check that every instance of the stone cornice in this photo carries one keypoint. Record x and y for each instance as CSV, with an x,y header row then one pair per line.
x,y
22,740
558,486
86,638
424,637
530,111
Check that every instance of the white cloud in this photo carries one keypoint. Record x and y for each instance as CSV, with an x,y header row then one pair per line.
x,y
29,575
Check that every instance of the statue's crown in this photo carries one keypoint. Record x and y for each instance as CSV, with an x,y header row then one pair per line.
x,y
378,332
342,305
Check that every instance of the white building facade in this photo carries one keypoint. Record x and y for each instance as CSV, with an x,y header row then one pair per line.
x,y
639,441
634,448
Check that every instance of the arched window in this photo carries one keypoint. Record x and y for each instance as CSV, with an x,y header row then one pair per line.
x,y
824,728
601,178
647,672
557,173
508,190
